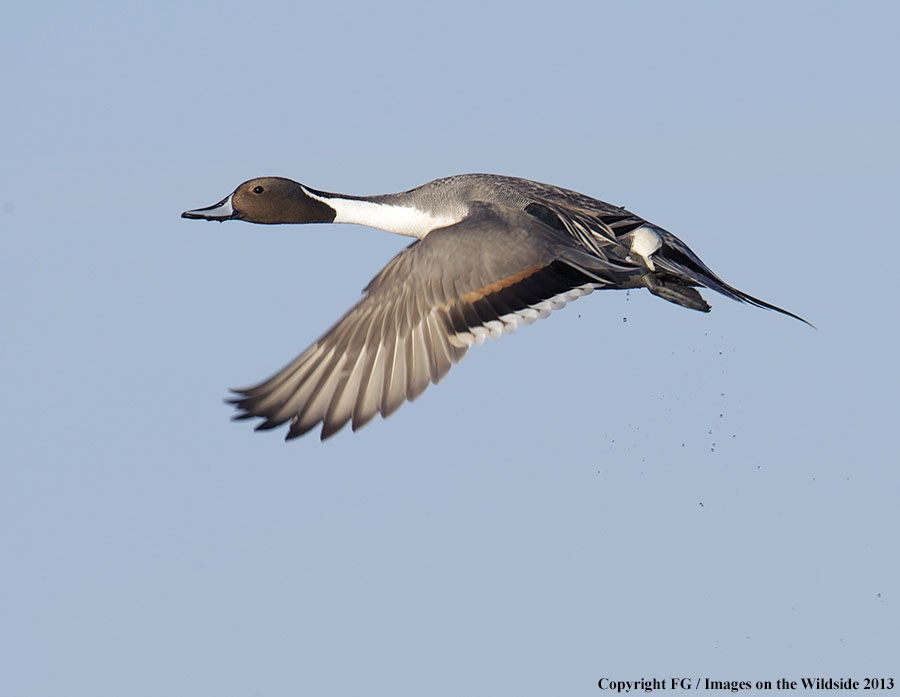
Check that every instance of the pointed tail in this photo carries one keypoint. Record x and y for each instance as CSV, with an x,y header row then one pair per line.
x,y
675,257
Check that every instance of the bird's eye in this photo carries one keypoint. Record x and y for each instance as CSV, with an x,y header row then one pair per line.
x,y
258,189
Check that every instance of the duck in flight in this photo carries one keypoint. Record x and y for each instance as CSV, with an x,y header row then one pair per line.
x,y
491,252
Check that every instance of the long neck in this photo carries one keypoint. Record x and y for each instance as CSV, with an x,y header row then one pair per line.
x,y
392,212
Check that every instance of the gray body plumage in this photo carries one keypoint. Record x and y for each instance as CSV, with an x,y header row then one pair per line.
x,y
503,251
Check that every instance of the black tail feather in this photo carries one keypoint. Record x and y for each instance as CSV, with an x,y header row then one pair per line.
x,y
685,265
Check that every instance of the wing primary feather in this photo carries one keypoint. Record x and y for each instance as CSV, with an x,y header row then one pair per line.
x,y
372,383
347,391
271,405
394,378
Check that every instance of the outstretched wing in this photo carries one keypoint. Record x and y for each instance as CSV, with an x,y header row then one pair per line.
x,y
460,284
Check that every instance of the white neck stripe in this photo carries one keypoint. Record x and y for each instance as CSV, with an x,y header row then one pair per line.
x,y
403,220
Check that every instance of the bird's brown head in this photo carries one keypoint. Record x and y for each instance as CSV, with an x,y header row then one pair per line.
x,y
267,200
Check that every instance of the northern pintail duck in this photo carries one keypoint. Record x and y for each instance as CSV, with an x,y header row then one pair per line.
x,y
492,252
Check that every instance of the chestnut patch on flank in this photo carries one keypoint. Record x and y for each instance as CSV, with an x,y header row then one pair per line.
x,y
499,285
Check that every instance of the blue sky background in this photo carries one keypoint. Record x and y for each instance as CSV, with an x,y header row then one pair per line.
x,y
677,494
